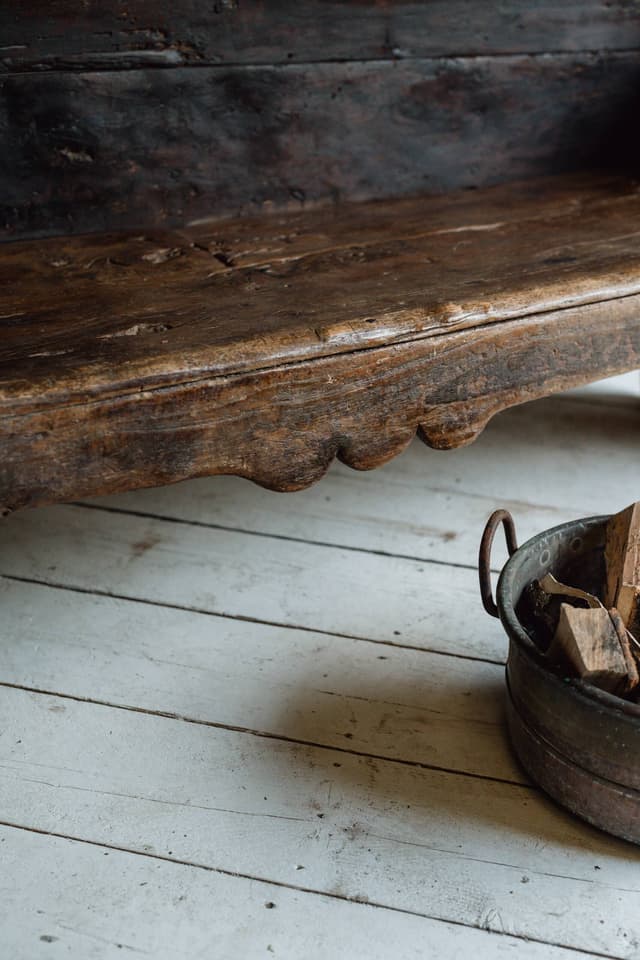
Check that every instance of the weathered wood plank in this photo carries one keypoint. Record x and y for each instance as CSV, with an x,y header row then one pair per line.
x,y
101,903
283,427
366,330
392,702
431,507
137,148
434,223
114,35
295,584
83,318
99,897
456,848
250,675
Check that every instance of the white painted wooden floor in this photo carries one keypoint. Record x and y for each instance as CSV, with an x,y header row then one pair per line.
x,y
238,724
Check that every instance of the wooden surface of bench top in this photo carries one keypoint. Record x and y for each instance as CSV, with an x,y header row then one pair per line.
x,y
266,346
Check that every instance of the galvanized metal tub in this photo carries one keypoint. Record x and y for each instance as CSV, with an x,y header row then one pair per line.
x,y
579,743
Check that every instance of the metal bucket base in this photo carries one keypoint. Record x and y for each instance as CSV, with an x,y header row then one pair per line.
x,y
604,804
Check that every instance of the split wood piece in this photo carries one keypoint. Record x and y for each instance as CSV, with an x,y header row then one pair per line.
x,y
633,677
544,598
589,640
266,347
622,558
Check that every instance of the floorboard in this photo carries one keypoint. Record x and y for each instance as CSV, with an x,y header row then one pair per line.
x,y
302,686
427,504
210,694
147,906
297,584
462,849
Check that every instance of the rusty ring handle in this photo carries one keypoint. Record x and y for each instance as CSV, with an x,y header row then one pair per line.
x,y
484,558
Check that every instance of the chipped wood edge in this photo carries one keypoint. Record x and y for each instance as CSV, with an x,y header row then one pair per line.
x,y
283,427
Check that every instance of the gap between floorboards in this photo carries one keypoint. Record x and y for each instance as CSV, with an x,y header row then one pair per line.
x,y
299,889
265,735
93,591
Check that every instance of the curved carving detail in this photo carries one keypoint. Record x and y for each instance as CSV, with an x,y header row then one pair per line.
x,y
456,425
282,428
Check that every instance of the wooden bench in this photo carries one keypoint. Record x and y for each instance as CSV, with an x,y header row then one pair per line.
x,y
341,308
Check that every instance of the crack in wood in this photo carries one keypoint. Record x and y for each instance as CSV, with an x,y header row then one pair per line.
x,y
180,56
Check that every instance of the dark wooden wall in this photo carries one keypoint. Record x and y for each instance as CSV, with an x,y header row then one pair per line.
x,y
117,114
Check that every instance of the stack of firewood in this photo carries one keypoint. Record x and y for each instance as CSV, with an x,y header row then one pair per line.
x,y
597,640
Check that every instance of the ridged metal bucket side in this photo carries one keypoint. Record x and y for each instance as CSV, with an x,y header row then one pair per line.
x,y
581,744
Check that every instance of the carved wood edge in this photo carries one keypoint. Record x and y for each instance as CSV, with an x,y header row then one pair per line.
x,y
283,427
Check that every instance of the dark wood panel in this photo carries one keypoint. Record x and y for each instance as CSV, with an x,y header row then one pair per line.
x,y
113,34
153,147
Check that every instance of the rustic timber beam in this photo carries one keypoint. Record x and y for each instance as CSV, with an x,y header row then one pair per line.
x,y
56,34
267,347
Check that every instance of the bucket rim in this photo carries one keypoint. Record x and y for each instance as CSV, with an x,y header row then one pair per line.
x,y
517,633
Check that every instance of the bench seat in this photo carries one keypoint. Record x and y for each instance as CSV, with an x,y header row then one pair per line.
x,y
264,347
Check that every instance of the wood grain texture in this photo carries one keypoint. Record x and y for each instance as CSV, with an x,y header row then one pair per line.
x,y
163,910
454,848
114,35
303,586
88,151
489,855
622,559
306,686
282,428
589,640
430,507
151,362
96,317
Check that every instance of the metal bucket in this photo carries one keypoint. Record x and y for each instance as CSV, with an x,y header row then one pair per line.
x,y
579,743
